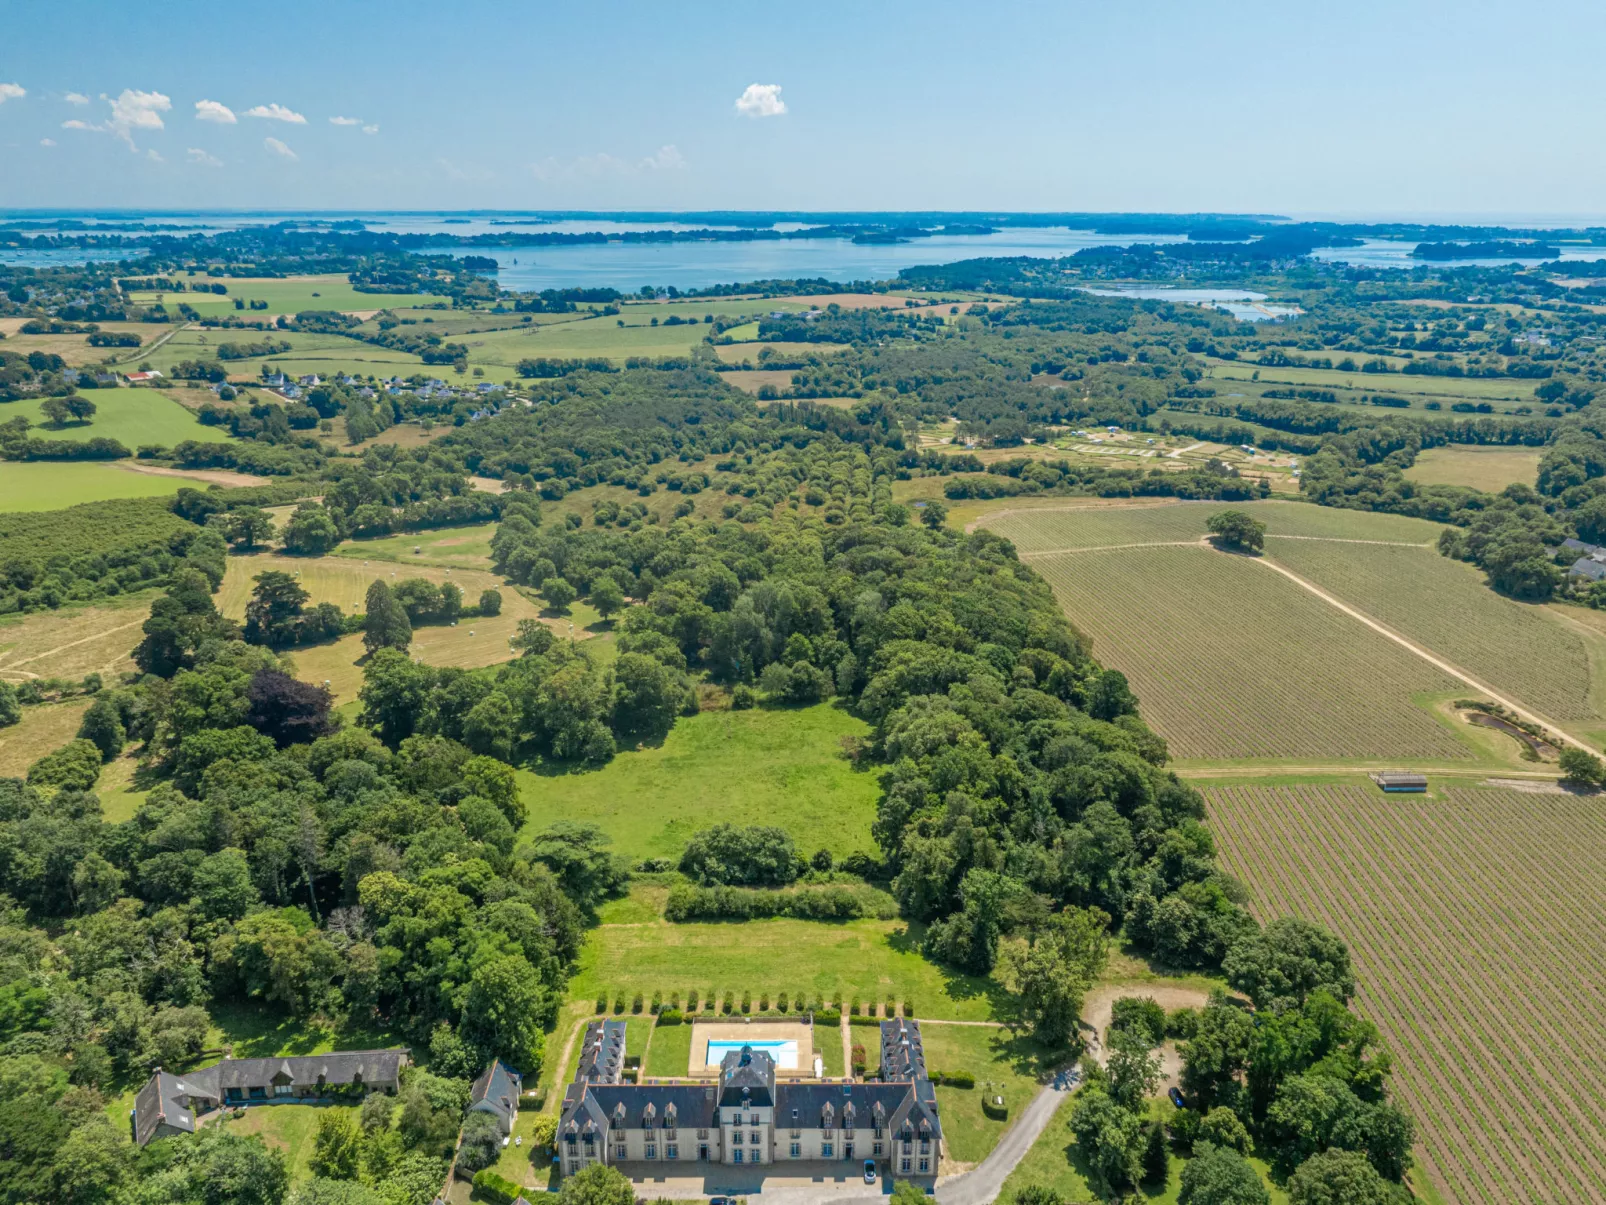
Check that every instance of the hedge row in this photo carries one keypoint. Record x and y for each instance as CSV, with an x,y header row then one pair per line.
x,y
496,1188
728,1003
835,901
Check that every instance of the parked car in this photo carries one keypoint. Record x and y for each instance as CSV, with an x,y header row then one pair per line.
x,y
1177,1098
869,1171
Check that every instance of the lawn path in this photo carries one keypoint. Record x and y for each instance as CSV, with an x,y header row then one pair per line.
x,y
104,632
847,1044
1427,655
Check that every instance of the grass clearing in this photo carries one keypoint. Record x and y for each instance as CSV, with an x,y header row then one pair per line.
x,y
1494,1012
472,643
287,1128
72,642
1490,469
868,958
781,767
43,728
448,547
131,416
1008,1060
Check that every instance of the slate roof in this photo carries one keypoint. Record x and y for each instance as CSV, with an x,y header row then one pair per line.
x,y
497,1090
1572,545
602,1055
338,1067
903,1055
160,1101
1585,567
804,1105
747,1076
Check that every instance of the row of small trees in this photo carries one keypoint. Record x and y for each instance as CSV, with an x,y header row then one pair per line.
x,y
729,1002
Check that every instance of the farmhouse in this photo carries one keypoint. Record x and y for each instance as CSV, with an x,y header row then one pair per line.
x,y
748,1115
169,1104
497,1092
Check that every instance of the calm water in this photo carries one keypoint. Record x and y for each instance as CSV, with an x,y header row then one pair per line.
x,y
699,265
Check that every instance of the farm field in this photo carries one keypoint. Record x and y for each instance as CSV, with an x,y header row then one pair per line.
x,y
284,295
748,352
782,767
1494,1013
1475,389
35,485
1513,647
73,641
41,729
131,416
473,643
319,353
1490,469
1230,660
75,349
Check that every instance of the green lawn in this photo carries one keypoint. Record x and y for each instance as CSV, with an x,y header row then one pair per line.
x,y
782,767
54,485
671,1051
131,416
1012,1061
288,1128
870,958
1054,1162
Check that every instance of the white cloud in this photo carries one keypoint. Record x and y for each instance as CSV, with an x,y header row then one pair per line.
x,y
373,129
277,112
197,155
345,121
76,98
211,110
12,92
136,110
75,124
666,158
278,148
47,142
153,156
761,100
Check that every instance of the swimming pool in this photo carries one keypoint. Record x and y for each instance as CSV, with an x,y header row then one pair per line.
x,y
784,1052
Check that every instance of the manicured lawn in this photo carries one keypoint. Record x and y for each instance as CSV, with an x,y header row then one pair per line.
x,y
521,1163
781,767
671,1051
997,1055
289,1128
870,958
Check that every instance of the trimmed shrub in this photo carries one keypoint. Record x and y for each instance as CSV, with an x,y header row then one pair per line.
x,y
496,1188
671,1016
854,1006
958,1079
747,1002
863,1021
781,1002
725,1004
891,1009
995,1106
764,1003
602,1004
619,1003
674,999
691,1000
908,1007
836,1001
657,1003
828,1016
636,1004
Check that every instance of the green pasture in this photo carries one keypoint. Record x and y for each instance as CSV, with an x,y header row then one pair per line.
x,y
783,767
581,339
131,416
319,353
53,485
1481,468
284,295
451,547
1477,389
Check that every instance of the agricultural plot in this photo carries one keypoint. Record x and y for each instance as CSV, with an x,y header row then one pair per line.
x,y
41,729
75,641
449,547
1473,389
1492,1005
319,353
284,295
76,349
36,485
739,767
1234,661
1443,604
1490,469
130,416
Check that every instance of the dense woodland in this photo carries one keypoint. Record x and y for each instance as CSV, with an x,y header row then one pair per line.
x,y
378,875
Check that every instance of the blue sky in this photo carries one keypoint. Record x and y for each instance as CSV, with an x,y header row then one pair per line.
x,y
1359,109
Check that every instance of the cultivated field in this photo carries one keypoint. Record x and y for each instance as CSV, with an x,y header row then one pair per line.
x,y
284,295
1231,660
1489,469
55,484
740,767
75,641
75,349
131,416
1477,953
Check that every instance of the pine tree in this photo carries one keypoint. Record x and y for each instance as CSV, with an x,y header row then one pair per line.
x,y
385,623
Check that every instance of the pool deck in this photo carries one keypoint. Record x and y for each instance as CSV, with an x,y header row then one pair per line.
x,y
755,1030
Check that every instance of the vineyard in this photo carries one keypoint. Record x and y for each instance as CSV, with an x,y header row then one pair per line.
x,y
1233,661
1445,605
1091,526
1478,954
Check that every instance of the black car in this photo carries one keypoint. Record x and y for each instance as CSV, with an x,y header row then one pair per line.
x,y
1177,1098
